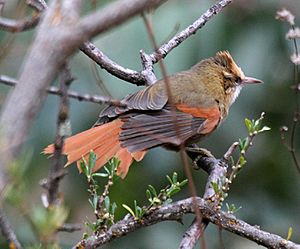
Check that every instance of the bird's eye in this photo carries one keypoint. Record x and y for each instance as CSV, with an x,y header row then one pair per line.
x,y
238,80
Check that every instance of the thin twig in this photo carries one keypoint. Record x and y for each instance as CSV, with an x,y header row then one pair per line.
x,y
69,228
175,211
183,155
14,26
296,115
56,167
8,232
71,94
287,16
166,48
39,5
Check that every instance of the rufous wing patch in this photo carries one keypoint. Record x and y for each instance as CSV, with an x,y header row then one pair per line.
x,y
211,115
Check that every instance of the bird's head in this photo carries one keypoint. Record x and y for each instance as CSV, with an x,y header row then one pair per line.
x,y
225,73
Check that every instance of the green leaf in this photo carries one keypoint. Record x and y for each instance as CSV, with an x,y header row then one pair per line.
x,y
184,182
107,170
174,177
148,194
152,190
215,187
136,208
232,208
169,179
242,160
94,202
249,125
92,161
114,164
243,143
104,175
113,208
290,233
128,209
107,203
83,166
156,200
173,191
265,128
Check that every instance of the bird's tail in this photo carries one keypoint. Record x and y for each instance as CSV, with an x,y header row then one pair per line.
x,y
104,141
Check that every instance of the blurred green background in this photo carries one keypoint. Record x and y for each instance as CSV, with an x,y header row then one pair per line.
x,y
267,189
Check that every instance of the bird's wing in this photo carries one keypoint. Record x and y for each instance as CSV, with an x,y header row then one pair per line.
x,y
142,131
150,98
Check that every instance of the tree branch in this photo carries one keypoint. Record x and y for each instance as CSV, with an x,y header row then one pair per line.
x,y
114,14
56,167
7,231
60,26
112,67
216,170
166,48
175,211
13,26
97,99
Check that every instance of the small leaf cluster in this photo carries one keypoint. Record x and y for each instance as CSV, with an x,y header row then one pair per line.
x,y
157,198
231,209
254,127
47,220
44,221
164,195
101,204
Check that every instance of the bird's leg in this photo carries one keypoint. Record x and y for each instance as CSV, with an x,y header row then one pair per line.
x,y
202,158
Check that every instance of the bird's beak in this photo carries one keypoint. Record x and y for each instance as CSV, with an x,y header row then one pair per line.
x,y
251,80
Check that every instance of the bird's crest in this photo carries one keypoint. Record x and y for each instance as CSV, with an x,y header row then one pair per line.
x,y
224,59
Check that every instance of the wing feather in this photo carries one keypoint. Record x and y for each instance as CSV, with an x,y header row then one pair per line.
x,y
144,131
153,97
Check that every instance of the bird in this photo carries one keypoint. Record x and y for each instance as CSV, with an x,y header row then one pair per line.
x,y
199,101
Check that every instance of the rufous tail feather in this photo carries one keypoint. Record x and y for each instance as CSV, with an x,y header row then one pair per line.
x,y
104,141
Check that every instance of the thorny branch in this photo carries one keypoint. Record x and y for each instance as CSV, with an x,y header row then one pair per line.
x,y
97,99
175,212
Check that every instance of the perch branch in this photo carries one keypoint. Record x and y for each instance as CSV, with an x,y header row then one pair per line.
x,y
175,212
216,170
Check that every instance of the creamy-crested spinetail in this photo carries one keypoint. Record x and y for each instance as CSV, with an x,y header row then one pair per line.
x,y
201,97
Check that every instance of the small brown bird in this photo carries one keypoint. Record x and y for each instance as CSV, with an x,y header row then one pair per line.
x,y
201,97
